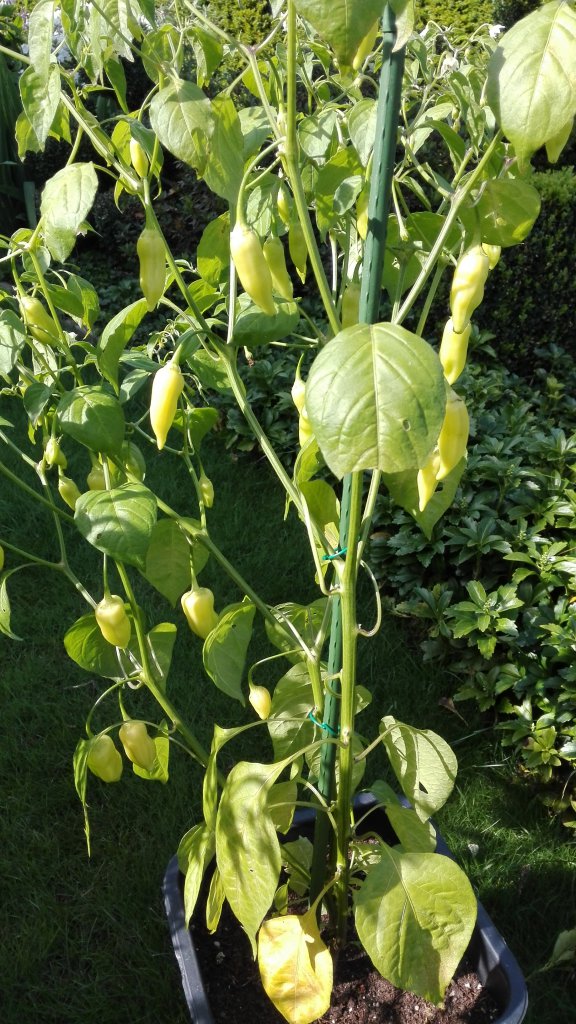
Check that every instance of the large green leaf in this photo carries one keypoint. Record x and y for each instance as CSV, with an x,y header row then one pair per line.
x,y
504,211
195,852
40,98
168,560
342,23
66,201
181,115
116,336
376,397
225,165
41,36
288,724
531,83
118,522
226,646
93,417
414,914
247,847
423,763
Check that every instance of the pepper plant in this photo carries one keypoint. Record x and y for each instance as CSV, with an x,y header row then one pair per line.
x,y
378,162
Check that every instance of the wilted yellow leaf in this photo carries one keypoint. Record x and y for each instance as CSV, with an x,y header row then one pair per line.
x,y
295,967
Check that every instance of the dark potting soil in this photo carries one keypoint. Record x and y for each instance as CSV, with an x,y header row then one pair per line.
x,y
360,995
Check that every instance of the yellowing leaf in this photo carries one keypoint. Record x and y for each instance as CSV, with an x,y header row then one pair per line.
x,y
295,967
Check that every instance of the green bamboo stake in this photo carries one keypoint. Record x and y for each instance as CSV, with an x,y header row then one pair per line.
x,y
378,209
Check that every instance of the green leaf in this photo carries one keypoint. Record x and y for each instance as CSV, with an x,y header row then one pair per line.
x,y
423,763
281,804
288,724
36,398
40,98
199,423
162,52
214,902
5,608
253,327
225,163
404,256
86,646
362,128
168,560
403,488
195,852
531,86
247,847
66,201
181,115
225,648
12,340
341,23
161,640
315,133
41,35
295,966
504,210
414,914
208,51
80,762
94,418
376,397
87,297
415,835
214,251
159,771
338,185
118,522
306,618
116,336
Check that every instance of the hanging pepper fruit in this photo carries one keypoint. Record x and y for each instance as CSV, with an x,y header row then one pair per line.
x,y
453,436
493,253
427,480
283,205
198,607
113,621
298,249
53,453
260,700
274,256
362,212
453,350
38,320
350,304
104,760
138,158
468,283
96,480
305,431
366,46
1,558
67,490
298,391
206,490
167,387
152,257
251,267
139,747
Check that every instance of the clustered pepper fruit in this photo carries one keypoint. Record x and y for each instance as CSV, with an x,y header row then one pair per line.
x,y
450,449
167,387
251,267
113,621
198,607
152,257
104,760
468,283
138,745
274,256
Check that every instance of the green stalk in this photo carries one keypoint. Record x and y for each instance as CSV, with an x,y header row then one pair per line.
x,y
339,706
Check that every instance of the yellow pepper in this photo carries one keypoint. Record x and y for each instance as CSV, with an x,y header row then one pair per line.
x,y
468,286
453,436
167,387
453,350
251,267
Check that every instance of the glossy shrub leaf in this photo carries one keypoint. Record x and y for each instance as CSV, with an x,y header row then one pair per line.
x,y
295,967
423,763
181,116
118,522
375,397
94,418
168,560
225,648
247,847
531,86
414,914
66,201
116,336
341,23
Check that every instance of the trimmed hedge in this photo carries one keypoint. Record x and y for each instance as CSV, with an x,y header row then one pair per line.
x,y
465,15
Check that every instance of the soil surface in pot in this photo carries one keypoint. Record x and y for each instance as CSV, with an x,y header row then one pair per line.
x,y
360,995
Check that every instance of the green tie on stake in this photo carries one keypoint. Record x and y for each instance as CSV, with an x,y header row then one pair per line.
x,y
383,160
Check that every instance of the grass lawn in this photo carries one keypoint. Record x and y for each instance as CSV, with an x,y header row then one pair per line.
x,y
85,941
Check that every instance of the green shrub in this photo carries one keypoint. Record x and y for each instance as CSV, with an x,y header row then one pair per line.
x,y
464,15
249,21
545,311
508,12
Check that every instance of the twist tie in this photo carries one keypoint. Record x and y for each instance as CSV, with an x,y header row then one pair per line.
x,y
322,725
337,554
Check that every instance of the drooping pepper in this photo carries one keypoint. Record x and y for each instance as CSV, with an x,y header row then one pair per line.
x,y
362,212
260,700
305,431
283,205
96,480
298,390
468,283
152,257
251,267
427,480
67,490
138,158
206,490
453,350
298,249
53,453
198,607
350,304
139,747
167,387
104,760
274,256
453,436
38,320
493,253
113,621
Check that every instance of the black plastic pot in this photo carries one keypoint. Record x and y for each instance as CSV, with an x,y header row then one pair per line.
x,y
488,954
